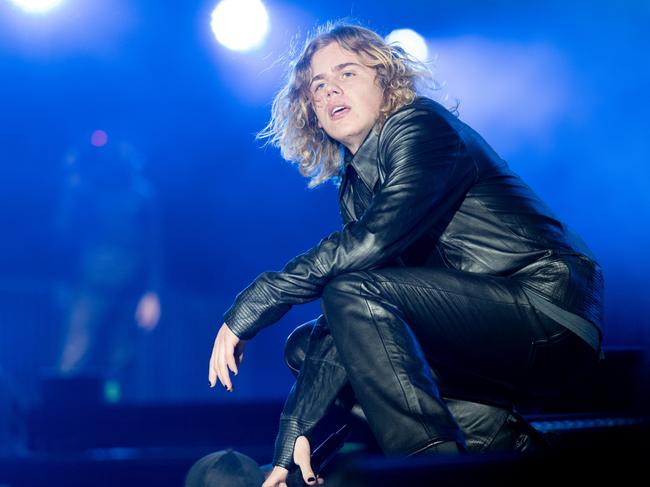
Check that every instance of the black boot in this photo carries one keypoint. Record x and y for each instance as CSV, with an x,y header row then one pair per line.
x,y
517,435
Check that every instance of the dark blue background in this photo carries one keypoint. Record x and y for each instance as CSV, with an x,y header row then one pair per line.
x,y
560,90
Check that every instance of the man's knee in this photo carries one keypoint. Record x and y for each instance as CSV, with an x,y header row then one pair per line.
x,y
344,287
295,347
345,302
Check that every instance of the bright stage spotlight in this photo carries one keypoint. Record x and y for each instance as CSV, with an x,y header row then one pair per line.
x,y
36,6
240,25
409,40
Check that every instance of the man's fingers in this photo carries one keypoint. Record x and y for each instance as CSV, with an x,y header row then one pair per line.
x,y
212,371
276,478
223,359
222,368
212,375
308,475
212,368
302,458
232,364
239,351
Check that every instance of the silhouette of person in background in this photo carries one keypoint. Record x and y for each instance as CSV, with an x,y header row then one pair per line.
x,y
110,233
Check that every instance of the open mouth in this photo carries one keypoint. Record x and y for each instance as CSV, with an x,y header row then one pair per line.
x,y
339,112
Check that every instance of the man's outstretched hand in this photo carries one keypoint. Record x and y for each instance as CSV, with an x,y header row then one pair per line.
x,y
227,354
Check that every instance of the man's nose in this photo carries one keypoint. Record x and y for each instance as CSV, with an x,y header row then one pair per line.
x,y
333,88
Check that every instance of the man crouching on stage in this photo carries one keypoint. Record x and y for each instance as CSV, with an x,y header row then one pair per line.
x,y
449,279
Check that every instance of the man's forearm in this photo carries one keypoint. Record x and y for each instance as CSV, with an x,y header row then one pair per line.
x,y
319,382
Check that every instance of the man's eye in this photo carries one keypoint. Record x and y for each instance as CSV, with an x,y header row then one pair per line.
x,y
347,74
319,87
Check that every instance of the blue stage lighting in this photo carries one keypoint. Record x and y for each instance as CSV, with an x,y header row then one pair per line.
x,y
409,40
37,6
240,25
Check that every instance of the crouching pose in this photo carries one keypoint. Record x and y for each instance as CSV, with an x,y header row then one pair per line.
x,y
450,283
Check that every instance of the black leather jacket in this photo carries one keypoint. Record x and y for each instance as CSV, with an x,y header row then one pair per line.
x,y
427,190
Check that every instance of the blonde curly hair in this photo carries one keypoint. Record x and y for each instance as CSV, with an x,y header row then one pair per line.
x,y
293,126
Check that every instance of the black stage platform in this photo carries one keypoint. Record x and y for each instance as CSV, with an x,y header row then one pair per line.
x,y
598,436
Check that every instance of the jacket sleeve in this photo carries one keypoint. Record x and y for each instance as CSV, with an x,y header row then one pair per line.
x,y
321,378
426,178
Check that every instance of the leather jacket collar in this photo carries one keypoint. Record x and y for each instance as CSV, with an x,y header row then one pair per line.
x,y
364,163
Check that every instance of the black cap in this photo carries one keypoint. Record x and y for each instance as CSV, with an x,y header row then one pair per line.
x,y
225,468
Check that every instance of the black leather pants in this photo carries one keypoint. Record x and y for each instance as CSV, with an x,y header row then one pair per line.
x,y
406,337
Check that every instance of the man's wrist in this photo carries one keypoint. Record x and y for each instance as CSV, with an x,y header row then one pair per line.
x,y
289,431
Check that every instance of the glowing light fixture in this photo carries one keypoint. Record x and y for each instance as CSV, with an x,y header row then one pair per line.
x,y
99,138
409,40
240,25
36,6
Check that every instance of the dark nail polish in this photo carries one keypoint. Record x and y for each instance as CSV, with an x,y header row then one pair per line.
x,y
311,479
225,387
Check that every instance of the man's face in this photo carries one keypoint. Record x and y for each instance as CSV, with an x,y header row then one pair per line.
x,y
344,94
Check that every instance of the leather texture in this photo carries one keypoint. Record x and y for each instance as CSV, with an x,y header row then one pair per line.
x,y
429,191
427,286
485,427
